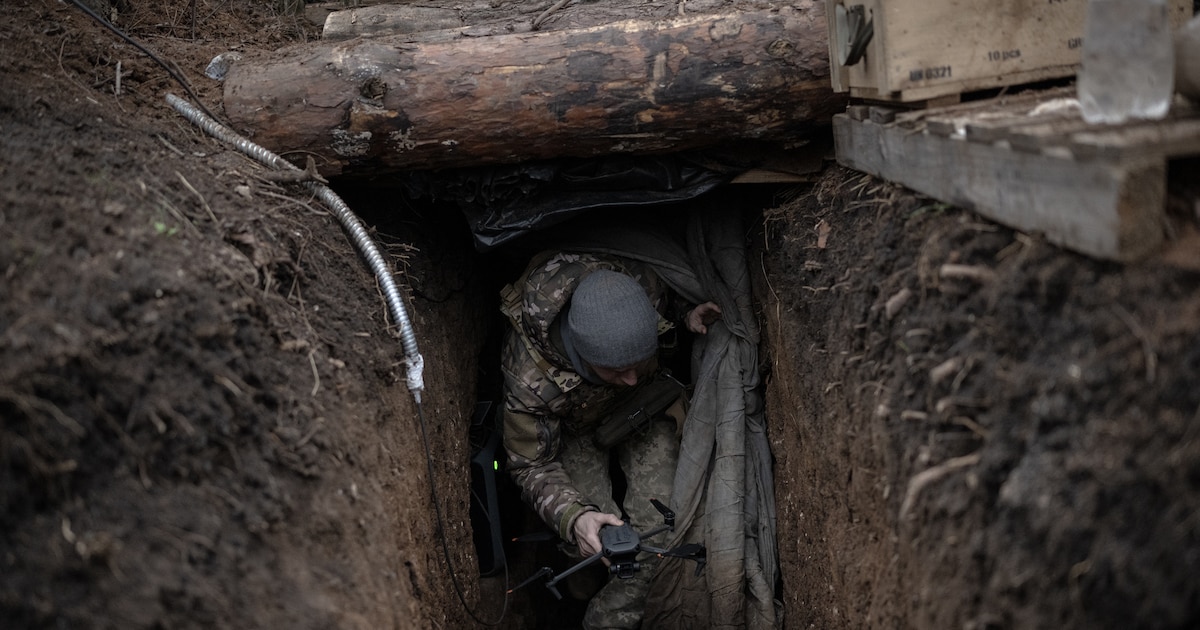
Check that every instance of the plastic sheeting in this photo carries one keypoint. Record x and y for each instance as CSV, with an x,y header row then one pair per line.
x,y
505,202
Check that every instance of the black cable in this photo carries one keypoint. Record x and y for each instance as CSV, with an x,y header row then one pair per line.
x,y
175,74
437,508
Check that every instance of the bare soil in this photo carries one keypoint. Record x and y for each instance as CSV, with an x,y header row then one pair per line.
x,y
1015,444
204,422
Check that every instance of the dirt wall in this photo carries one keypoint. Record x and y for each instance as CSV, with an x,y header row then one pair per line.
x,y
204,419
974,429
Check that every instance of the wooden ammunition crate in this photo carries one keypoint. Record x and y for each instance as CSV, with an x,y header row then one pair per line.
x,y
927,49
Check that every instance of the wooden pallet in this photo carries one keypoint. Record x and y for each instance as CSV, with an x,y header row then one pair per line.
x,y
1030,162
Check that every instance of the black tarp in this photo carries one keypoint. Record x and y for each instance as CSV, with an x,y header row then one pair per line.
x,y
504,202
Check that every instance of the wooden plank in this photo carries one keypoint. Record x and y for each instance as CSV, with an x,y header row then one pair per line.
x,y
1108,209
859,112
1000,126
948,126
883,115
794,166
993,119
1043,135
1019,102
772,176
1178,135
1172,138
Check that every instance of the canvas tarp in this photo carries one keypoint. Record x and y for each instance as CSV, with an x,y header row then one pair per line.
x,y
723,491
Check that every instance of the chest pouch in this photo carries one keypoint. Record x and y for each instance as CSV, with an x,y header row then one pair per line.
x,y
632,412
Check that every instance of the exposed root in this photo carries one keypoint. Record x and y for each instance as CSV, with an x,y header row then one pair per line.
x,y
30,405
974,273
893,305
203,201
316,375
972,426
309,174
944,370
1140,334
926,477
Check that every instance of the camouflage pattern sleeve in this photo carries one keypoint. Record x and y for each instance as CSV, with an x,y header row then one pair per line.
x,y
533,439
543,395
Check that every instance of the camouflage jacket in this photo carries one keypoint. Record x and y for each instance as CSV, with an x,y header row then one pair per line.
x,y
544,397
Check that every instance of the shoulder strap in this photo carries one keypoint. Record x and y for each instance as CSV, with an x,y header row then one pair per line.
x,y
510,305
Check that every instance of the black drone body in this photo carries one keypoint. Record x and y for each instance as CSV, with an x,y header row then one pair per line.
x,y
620,545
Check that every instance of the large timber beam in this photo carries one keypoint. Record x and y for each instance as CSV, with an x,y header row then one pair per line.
x,y
377,105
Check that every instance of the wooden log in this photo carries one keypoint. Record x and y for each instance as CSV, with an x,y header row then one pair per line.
x,y
316,13
372,106
388,19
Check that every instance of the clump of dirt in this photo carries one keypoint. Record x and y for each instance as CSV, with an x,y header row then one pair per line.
x,y
975,429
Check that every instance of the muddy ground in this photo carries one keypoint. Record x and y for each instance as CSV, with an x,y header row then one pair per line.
x,y
204,422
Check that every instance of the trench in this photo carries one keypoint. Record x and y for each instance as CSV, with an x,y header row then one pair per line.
x,y
1010,492
1077,399
451,261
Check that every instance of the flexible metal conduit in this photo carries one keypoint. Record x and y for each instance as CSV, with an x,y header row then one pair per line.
x,y
414,362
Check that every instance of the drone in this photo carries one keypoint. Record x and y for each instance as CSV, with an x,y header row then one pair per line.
x,y
620,545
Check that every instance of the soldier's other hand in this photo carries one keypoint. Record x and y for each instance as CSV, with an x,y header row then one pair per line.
x,y
700,317
587,530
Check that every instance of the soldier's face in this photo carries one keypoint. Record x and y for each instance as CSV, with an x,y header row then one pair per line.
x,y
626,376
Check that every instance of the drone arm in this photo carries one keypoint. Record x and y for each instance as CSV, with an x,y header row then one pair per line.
x,y
543,572
654,532
586,562
668,513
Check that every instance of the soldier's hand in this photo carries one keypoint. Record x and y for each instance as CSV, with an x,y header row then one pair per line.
x,y
587,530
700,317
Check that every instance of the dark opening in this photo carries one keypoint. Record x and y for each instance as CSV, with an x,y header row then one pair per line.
x,y
443,231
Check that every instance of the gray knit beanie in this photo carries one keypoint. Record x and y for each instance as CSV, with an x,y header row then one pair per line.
x,y
611,321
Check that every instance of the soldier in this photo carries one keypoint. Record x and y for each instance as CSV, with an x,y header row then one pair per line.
x,y
585,342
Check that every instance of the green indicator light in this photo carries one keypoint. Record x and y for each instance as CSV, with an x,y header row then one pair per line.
x,y
495,464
